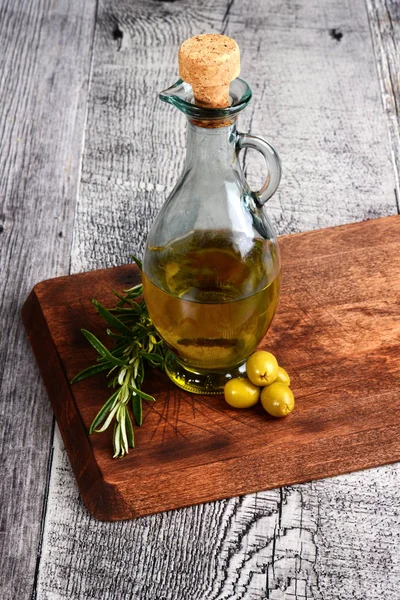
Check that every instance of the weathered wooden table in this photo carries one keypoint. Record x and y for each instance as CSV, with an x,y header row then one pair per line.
x,y
88,154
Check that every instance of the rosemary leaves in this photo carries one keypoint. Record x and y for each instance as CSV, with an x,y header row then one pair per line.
x,y
136,343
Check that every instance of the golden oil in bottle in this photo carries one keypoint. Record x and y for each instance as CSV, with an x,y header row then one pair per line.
x,y
212,296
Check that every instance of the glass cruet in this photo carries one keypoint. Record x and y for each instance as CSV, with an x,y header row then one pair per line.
x,y
211,268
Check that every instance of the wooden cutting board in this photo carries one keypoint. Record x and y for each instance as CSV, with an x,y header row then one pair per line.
x,y
337,332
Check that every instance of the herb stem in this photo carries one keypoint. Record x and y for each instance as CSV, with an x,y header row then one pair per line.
x,y
137,344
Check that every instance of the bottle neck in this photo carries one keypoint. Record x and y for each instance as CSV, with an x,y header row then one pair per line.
x,y
211,148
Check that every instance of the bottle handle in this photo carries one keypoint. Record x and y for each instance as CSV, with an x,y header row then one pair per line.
x,y
245,140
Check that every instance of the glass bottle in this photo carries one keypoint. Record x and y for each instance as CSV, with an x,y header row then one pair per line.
x,y
211,268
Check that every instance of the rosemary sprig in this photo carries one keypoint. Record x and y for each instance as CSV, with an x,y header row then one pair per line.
x,y
136,343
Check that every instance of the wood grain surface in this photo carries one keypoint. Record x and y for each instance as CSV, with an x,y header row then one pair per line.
x,y
384,18
44,74
317,97
336,334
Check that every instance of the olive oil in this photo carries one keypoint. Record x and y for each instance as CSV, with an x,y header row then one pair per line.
x,y
212,297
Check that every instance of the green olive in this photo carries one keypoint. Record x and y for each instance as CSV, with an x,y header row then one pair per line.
x,y
241,393
282,377
262,368
277,399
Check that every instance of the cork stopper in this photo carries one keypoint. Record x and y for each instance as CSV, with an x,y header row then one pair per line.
x,y
209,62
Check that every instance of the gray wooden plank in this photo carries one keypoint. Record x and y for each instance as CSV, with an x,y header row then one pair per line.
x,y
316,94
314,98
384,18
337,538
44,65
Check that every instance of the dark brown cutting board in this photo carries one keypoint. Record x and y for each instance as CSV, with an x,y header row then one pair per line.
x,y
337,332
